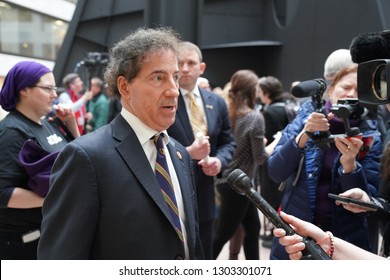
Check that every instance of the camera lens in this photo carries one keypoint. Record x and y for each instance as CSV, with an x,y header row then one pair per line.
x,y
380,82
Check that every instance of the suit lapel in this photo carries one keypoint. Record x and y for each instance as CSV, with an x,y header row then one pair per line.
x,y
182,117
133,155
209,105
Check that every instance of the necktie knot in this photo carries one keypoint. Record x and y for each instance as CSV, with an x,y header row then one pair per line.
x,y
158,141
191,96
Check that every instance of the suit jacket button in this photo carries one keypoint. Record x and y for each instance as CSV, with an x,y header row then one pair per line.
x,y
179,258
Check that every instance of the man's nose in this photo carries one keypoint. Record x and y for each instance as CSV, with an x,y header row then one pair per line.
x,y
184,67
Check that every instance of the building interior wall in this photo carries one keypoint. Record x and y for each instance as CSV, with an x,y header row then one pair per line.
x,y
289,39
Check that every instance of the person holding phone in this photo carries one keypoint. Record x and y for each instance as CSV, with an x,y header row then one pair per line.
x,y
364,47
381,200
317,171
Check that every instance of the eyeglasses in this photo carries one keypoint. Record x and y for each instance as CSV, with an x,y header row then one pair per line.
x,y
47,89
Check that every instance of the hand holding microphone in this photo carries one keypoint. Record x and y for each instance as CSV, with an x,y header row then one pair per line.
x,y
241,183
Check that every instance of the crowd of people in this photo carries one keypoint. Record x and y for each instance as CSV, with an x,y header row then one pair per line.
x,y
136,165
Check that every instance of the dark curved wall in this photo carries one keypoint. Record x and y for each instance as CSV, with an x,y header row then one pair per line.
x,y
289,39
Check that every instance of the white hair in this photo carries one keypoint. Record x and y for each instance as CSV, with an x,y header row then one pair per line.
x,y
337,60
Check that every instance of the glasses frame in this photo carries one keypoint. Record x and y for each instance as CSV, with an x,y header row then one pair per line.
x,y
47,89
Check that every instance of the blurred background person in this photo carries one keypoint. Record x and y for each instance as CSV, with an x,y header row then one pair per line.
x,y
98,106
279,109
248,132
202,113
74,96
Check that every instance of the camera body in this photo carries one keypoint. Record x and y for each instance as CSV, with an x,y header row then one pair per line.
x,y
345,109
95,59
348,108
374,81
92,65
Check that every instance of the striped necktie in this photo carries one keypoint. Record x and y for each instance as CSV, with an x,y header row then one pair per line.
x,y
165,182
197,120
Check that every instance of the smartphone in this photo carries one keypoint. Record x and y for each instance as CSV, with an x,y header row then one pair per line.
x,y
347,200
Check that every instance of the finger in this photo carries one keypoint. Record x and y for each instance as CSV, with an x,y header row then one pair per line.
x,y
290,240
342,146
295,248
356,142
278,232
296,256
354,209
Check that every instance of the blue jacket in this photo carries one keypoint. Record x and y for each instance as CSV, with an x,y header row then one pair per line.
x,y
300,200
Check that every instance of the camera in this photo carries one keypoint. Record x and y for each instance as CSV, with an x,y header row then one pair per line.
x,y
373,81
95,59
92,65
345,109
348,109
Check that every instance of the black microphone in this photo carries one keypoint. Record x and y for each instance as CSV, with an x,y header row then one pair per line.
x,y
309,88
369,46
241,183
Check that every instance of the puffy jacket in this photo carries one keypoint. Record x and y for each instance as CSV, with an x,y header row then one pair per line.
x,y
299,200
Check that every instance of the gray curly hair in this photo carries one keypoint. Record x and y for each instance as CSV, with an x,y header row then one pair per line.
x,y
127,56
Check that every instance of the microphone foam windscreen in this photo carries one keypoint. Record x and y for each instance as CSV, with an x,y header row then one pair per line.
x,y
370,46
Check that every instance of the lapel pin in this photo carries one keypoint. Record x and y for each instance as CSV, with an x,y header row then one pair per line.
x,y
208,106
179,155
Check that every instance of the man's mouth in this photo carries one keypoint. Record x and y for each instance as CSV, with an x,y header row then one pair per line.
x,y
170,107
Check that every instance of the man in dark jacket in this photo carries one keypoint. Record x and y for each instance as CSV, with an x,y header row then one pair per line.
x,y
219,138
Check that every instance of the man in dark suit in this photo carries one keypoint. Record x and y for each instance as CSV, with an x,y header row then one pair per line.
x,y
105,201
218,137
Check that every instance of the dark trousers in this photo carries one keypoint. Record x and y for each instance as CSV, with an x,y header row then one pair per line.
x,y
234,210
12,247
206,238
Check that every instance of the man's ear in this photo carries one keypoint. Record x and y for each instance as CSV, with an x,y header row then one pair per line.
x,y
202,67
123,87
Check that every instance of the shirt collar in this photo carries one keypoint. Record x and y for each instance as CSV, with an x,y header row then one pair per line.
x,y
195,91
144,133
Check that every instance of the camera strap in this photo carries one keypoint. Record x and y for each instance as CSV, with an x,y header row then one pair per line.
x,y
283,184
